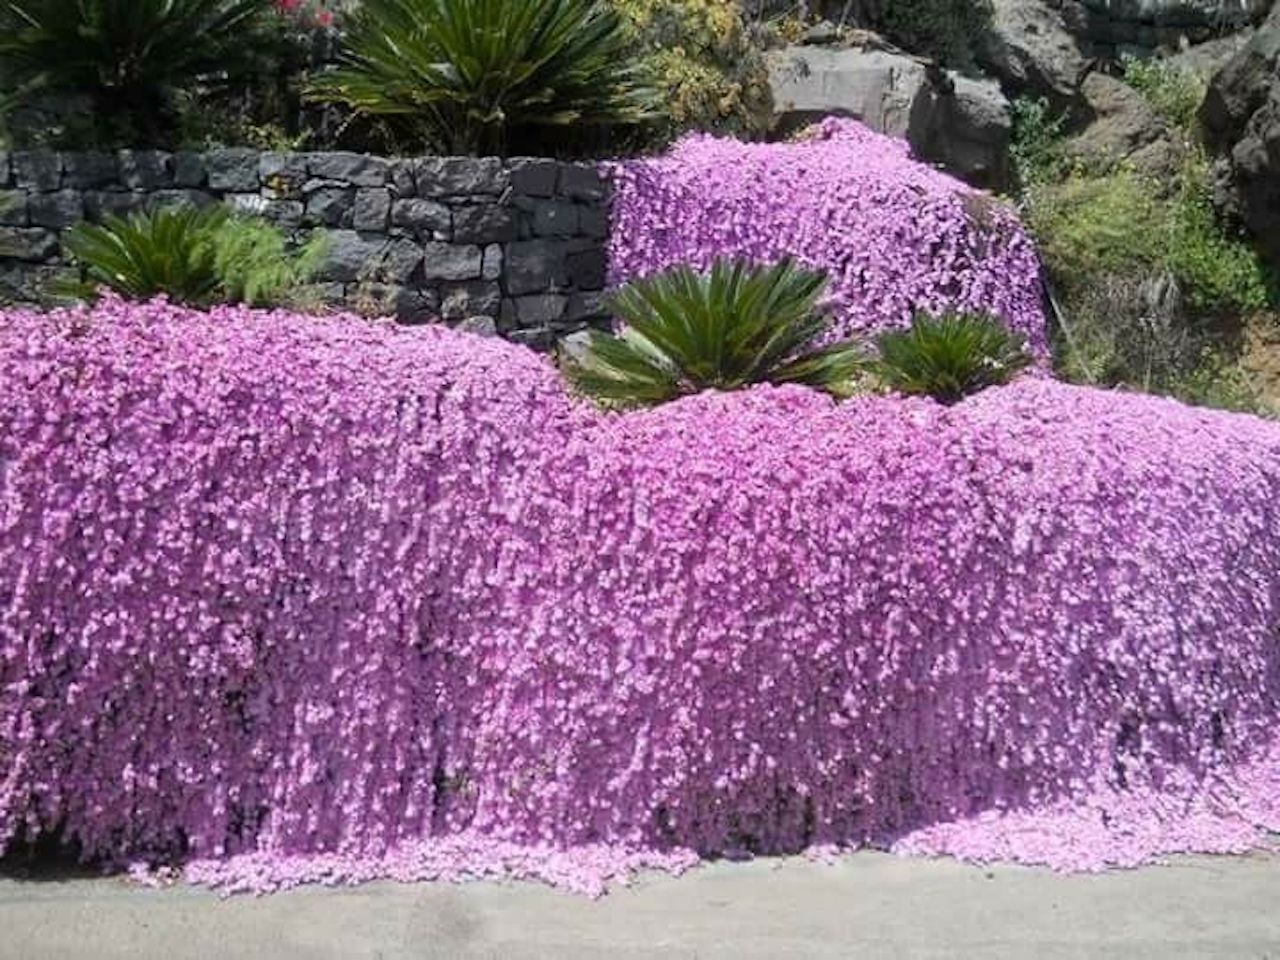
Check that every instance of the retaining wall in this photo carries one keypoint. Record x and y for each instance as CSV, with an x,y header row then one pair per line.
x,y
519,242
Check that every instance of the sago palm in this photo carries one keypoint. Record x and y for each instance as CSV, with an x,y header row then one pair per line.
x,y
126,56
683,331
951,356
169,251
460,75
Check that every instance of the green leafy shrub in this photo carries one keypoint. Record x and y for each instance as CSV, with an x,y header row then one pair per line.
x,y
684,331
193,256
1087,225
1221,271
256,266
127,57
1036,143
465,76
700,56
950,357
1175,94
1090,225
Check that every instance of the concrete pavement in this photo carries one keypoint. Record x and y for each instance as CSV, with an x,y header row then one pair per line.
x,y
863,906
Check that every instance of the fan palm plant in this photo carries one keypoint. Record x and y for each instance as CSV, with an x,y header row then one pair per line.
x,y
684,331
951,356
460,75
192,256
127,56
169,252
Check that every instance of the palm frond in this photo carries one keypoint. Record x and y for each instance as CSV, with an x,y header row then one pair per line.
x,y
463,73
950,357
733,325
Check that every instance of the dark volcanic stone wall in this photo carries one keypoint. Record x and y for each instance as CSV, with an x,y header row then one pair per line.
x,y
519,242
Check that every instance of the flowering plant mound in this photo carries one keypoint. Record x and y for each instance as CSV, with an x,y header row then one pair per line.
x,y
893,234
316,599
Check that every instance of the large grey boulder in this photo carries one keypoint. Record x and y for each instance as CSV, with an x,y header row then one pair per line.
x,y
1033,50
960,123
1241,119
1212,14
1125,128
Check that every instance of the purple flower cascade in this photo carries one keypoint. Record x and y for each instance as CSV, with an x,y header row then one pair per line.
x,y
313,599
890,233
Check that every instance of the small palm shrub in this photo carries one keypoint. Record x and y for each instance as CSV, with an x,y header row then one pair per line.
x,y
462,76
128,57
684,331
192,256
169,252
950,357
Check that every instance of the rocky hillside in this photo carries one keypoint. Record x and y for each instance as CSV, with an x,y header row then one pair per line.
x,y
949,89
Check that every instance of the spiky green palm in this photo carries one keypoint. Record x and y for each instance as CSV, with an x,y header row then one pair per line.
x,y
461,74
951,356
684,331
169,251
126,55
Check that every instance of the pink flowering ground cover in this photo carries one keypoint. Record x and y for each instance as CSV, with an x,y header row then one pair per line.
x,y
891,233
286,599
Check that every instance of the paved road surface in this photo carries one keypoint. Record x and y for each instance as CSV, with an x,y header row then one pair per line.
x,y
867,906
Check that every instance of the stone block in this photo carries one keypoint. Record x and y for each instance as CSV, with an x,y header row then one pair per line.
x,y
400,178
145,169
587,306
37,170
536,338
540,309
459,301
285,213
460,176
480,326
116,203
330,207
31,244
533,266
587,268
282,174
553,218
13,208
55,210
408,305
354,256
371,209
189,170
357,169
491,268
534,176
593,221
483,223
90,168
426,218
180,197
581,181
232,169
449,261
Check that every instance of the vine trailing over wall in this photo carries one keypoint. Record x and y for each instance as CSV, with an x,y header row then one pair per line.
x,y
319,599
